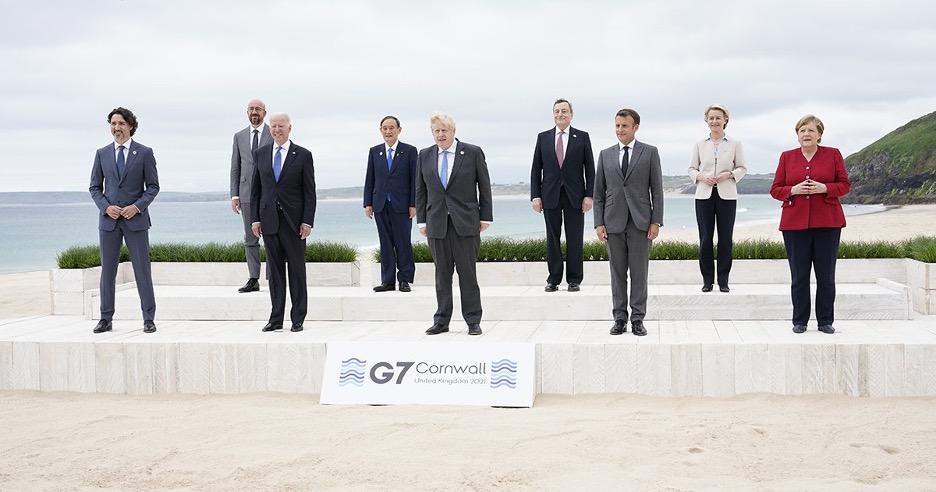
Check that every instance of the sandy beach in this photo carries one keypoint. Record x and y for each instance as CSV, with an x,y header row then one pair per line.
x,y
70,441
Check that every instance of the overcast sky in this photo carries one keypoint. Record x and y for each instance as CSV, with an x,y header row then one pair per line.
x,y
187,69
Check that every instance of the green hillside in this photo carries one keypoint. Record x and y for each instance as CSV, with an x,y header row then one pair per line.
x,y
899,168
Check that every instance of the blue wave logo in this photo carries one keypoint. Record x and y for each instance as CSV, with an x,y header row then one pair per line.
x,y
504,373
352,372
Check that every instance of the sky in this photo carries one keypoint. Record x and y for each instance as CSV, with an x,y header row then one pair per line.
x,y
188,69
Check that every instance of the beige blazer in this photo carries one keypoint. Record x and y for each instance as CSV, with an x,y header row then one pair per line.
x,y
730,158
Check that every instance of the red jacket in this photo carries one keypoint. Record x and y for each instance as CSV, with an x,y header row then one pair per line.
x,y
811,211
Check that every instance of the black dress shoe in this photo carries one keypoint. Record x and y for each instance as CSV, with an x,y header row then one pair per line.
x,y
827,329
551,288
252,285
384,287
638,328
405,287
799,328
707,288
149,327
295,328
271,326
724,288
436,329
620,326
103,325
474,329
574,287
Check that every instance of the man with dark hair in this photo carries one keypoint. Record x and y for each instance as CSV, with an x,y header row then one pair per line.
x,y
247,140
390,199
561,185
123,184
628,215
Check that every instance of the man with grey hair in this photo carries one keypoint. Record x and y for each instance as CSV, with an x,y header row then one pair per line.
x,y
282,210
453,207
256,135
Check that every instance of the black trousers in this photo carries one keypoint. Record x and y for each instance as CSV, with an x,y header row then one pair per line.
x,y
712,212
456,253
282,249
396,247
806,250
574,229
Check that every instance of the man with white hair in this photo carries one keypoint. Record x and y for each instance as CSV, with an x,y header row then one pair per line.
x,y
453,207
282,202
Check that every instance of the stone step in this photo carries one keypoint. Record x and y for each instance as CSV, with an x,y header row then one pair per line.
x,y
882,300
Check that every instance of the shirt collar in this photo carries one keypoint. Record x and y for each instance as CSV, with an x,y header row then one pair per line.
x,y
451,149
723,139
394,147
630,145
285,146
567,131
125,144
251,128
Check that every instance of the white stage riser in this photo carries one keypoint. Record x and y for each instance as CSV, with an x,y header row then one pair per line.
x,y
695,370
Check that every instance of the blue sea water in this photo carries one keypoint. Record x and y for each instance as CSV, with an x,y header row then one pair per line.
x,y
36,232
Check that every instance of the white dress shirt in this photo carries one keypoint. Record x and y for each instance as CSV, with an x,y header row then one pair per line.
x,y
126,150
388,148
630,153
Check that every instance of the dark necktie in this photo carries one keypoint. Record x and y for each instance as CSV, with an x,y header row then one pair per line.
x,y
256,140
121,163
625,161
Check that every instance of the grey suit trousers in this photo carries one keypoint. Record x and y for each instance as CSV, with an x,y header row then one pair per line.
x,y
251,243
451,253
629,251
138,244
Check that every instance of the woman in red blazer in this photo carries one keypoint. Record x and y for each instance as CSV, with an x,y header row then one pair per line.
x,y
809,182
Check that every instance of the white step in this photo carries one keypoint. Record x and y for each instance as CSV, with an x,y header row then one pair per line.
x,y
884,300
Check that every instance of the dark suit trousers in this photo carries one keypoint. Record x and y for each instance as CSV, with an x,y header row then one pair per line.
x,y
712,212
629,251
138,244
396,247
282,249
449,254
574,229
808,249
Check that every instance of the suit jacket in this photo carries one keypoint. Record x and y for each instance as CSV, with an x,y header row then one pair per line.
x,y
638,195
467,199
811,211
730,158
242,163
398,183
577,175
138,186
294,193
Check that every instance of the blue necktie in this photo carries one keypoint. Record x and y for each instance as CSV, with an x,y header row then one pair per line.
x,y
389,158
277,163
121,163
444,172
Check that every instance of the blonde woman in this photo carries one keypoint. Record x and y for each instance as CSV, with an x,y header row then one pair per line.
x,y
716,167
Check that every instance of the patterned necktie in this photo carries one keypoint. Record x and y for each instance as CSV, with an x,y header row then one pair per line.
x,y
121,163
389,158
625,161
560,152
256,140
444,172
277,163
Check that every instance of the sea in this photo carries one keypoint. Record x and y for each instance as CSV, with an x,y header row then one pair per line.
x,y
37,230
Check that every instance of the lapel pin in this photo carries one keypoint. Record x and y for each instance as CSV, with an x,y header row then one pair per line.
x,y
574,135
134,152
379,153
462,152
294,152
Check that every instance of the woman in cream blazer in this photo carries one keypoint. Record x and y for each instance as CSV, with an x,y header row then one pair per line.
x,y
716,167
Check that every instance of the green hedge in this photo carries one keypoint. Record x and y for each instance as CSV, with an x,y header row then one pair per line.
x,y
316,252
499,249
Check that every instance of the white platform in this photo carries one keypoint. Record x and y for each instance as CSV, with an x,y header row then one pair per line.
x,y
677,358
671,302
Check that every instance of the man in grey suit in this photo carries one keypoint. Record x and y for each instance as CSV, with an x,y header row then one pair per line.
x,y
453,208
628,215
123,184
242,170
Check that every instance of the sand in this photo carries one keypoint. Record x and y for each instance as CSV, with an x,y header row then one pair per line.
x,y
68,441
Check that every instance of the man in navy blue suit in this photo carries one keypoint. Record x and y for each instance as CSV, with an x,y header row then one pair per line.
x,y
561,185
390,199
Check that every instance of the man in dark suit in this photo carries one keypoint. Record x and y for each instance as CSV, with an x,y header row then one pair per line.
x,y
123,184
390,198
282,211
453,208
628,215
561,186
256,135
